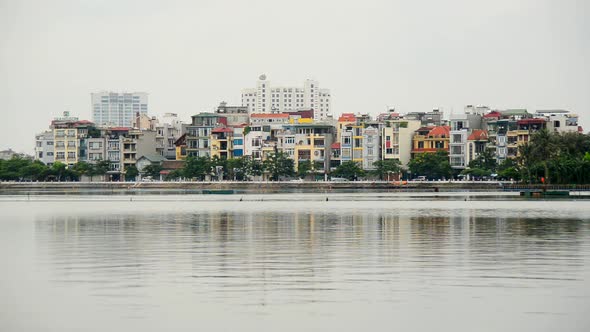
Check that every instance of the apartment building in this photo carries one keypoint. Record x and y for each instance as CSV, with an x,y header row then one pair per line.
x,y
198,133
560,121
462,125
396,139
266,98
477,142
235,115
430,139
168,130
371,151
44,147
114,109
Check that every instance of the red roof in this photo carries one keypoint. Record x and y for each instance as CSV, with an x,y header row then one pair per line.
x,y
270,116
222,130
440,131
347,117
493,114
119,128
531,121
335,145
478,135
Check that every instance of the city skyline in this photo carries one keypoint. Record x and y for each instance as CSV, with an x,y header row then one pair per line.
x,y
413,57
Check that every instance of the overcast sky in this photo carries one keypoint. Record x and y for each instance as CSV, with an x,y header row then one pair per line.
x,y
190,55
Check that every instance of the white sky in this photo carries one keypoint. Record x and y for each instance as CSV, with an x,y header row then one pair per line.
x,y
190,55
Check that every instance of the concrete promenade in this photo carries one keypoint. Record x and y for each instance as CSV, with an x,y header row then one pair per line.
x,y
277,186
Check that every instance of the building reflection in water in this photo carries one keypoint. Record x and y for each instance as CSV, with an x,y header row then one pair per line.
x,y
297,257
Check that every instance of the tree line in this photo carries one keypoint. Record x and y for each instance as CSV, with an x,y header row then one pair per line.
x,y
550,158
25,169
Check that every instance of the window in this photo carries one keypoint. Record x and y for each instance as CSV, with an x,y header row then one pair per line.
x,y
49,142
60,144
346,140
49,154
95,145
60,156
71,155
389,151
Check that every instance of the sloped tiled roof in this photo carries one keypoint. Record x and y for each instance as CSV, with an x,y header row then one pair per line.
x,y
172,164
152,158
222,130
347,117
440,131
478,135
492,114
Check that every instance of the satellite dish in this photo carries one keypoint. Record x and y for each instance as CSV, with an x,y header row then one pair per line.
x,y
262,77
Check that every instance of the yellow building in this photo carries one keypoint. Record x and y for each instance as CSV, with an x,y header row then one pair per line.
x,y
65,145
222,143
181,148
431,139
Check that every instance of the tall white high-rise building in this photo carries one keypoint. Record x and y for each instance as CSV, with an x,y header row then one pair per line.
x,y
274,99
112,109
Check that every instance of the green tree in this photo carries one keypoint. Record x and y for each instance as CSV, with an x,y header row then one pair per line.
x,y
175,174
253,167
131,173
58,170
486,160
509,170
431,165
34,171
350,170
278,164
384,168
197,167
101,168
14,168
83,168
152,170
236,168
543,148
304,168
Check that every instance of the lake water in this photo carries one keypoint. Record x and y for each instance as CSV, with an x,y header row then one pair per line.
x,y
294,263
